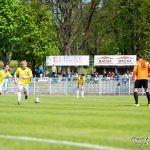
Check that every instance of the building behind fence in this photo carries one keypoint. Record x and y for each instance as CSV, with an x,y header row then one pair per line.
x,y
67,86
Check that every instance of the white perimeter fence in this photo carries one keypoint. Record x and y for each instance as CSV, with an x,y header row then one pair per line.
x,y
66,86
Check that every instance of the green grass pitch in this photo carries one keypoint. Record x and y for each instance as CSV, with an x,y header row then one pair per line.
x,y
111,121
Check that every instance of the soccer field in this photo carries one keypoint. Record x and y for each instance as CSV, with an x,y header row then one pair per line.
x,y
67,123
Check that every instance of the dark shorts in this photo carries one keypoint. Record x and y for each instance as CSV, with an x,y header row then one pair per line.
x,y
141,83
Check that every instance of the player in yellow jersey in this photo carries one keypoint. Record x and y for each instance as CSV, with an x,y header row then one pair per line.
x,y
80,85
4,75
24,74
140,72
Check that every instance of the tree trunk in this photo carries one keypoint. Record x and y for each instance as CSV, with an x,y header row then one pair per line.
x,y
33,67
6,57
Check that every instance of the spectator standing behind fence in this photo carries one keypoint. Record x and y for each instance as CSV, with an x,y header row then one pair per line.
x,y
80,85
112,75
117,76
125,78
109,76
40,71
105,74
4,76
54,70
64,76
76,75
140,70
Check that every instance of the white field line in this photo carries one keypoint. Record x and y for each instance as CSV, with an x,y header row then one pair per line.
x,y
68,143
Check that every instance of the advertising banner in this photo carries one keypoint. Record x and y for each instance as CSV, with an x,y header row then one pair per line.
x,y
76,60
114,60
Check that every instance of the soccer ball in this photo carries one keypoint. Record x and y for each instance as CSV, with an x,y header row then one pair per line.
x,y
37,100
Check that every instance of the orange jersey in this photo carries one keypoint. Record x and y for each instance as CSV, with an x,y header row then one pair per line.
x,y
140,70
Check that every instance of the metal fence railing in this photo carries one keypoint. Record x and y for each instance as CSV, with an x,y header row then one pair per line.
x,y
65,86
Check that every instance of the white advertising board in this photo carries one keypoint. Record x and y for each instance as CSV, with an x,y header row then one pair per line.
x,y
76,60
114,60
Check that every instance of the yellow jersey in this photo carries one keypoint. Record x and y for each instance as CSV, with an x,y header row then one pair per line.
x,y
24,73
4,75
141,69
80,80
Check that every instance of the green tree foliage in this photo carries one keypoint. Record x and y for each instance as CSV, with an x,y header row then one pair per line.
x,y
8,29
27,31
121,26
32,29
36,33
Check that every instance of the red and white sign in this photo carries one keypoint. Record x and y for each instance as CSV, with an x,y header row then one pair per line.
x,y
114,60
76,60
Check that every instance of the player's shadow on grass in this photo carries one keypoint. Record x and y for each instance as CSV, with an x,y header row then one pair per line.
x,y
131,105
123,105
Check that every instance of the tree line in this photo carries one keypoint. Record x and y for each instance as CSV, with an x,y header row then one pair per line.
x,y
33,29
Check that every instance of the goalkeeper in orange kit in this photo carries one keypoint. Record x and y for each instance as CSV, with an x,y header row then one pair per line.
x,y
140,72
